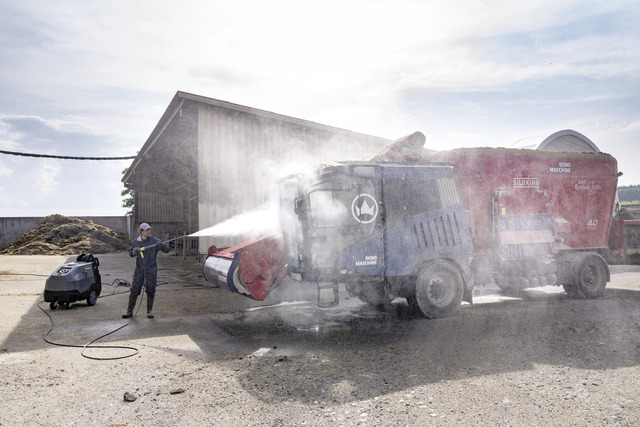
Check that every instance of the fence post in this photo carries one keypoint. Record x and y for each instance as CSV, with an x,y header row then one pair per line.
x,y
184,245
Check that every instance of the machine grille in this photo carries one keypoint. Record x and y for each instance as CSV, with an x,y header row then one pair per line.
x,y
443,230
448,189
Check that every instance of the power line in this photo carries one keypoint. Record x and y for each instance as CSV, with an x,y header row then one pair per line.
x,y
52,156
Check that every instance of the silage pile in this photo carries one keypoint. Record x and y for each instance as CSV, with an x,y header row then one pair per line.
x,y
61,235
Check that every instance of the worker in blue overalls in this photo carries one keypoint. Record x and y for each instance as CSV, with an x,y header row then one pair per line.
x,y
145,249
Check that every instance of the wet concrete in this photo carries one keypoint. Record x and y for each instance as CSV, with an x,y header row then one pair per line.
x,y
536,357
289,321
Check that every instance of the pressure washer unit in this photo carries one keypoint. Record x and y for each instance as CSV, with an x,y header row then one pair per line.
x,y
74,281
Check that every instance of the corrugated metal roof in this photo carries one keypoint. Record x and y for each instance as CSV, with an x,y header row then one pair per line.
x,y
563,140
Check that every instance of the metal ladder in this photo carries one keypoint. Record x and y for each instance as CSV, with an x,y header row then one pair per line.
x,y
333,285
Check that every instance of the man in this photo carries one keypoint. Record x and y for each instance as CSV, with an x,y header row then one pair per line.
x,y
145,249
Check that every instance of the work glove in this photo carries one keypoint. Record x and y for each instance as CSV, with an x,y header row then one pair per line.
x,y
135,251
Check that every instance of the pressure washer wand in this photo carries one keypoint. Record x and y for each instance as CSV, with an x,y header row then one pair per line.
x,y
142,249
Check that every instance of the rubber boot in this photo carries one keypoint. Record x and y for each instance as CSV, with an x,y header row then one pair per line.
x,y
150,306
130,307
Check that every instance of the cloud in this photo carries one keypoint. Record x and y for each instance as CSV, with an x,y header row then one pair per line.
x,y
36,186
72,124
631,127
45,177
363,51
5,171
94,78
72,135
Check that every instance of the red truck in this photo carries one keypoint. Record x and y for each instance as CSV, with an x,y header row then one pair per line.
x,y
428,226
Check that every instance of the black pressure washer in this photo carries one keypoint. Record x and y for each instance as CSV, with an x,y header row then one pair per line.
x,y
74,281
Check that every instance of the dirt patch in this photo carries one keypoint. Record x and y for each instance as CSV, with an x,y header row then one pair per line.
x,y
61,235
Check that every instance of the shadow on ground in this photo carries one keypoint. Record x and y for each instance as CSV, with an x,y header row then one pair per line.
x,y
350,352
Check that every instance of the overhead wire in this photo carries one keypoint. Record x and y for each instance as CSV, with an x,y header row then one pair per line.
x,y
54,156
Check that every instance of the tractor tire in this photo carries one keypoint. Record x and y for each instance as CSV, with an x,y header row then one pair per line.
x,y
591,277
439,289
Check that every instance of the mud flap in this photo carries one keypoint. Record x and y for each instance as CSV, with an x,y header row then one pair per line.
x,y
468,295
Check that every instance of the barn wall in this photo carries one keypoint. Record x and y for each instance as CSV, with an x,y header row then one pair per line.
x,y
241,155
165,180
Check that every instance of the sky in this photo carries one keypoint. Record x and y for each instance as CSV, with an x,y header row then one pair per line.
x,y
92,79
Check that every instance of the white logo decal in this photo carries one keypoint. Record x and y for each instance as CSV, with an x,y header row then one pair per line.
x,y
368,260
563,167
526,182
364,208
589,185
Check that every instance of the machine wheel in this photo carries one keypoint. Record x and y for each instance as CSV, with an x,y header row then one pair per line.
x,y
572,291
439,289
65,305
92,298
592,276
53,305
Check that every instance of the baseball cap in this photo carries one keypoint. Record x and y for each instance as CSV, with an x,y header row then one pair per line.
x,y
144,226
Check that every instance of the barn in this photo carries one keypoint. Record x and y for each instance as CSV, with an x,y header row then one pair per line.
x,y
208,160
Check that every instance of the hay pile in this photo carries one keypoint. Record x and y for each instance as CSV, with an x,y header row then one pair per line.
x,y
61,235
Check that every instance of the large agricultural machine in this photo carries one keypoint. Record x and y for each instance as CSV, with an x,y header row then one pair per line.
x,y
428,226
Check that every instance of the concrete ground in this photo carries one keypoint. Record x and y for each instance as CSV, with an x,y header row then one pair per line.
x,y
211,357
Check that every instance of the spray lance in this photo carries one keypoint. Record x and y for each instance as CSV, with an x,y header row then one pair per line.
x,y
205,232
142,249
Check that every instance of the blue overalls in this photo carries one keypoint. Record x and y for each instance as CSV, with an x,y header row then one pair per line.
x,y
146,272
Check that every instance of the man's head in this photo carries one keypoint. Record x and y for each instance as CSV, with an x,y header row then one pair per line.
x,y
144,229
